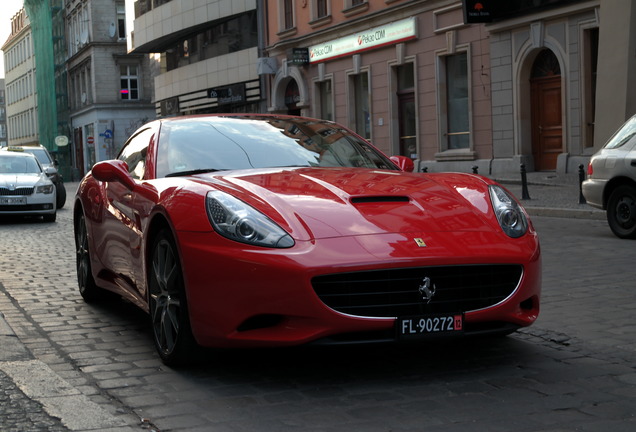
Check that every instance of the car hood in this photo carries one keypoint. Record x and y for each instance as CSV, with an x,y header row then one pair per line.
x,y
338,202
13,181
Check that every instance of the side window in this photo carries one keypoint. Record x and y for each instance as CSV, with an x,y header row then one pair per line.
x,y
134,153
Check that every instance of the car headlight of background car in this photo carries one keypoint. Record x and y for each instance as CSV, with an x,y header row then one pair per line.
x,y
509,214
45,188
236,220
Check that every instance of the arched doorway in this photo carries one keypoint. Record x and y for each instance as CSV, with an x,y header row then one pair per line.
x,y
292,97
546,114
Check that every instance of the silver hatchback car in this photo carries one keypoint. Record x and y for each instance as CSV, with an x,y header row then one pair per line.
x,y
611,180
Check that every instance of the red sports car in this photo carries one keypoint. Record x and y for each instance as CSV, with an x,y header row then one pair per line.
x,y
257,230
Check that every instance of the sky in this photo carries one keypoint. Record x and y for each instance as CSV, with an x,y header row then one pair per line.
x,y
8,8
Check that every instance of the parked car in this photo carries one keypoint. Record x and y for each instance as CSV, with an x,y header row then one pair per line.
x,y
256,230
611,180
24,187
50,168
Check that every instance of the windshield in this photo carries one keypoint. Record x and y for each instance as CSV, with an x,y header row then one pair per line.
x,y
19,165
623,135
42,155
222,143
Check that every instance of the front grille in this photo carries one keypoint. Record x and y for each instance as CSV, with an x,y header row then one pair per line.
x,y
395,292
18,191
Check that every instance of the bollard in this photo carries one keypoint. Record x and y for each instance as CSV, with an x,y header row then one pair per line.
x,y
524,184
582,199
475,169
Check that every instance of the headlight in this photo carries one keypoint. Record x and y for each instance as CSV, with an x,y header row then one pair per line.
x,y
45,189
509,214
236,220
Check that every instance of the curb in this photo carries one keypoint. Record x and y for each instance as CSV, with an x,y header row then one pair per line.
x,y
566,213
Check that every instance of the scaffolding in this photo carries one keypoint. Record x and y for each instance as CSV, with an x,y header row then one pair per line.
x,y
47,26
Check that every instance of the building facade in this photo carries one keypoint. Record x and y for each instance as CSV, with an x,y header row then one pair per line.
x,y
408,75
205,54
542,83
20,88
4,141
110,92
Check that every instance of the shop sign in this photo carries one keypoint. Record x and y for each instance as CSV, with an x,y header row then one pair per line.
x,y
234,93
298,56
388,34
477,11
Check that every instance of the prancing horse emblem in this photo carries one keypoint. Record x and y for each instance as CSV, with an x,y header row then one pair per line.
x,y
426,290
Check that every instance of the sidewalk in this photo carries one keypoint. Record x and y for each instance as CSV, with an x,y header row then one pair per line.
x,y
552,195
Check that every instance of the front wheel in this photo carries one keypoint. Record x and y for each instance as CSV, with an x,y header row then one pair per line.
x,y
85,281
621,212
167,303
60,192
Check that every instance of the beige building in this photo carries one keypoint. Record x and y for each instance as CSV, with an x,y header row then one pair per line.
x,y
205,51
20,89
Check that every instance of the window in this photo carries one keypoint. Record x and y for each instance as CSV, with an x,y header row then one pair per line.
x,y
361,111
457,109
288,14
321,8
129,82
134,153
406,110
121,21
235,34
325,99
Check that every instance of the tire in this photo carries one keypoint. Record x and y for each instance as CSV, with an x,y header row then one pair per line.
x,y
87,287
167,303
621,212
60,191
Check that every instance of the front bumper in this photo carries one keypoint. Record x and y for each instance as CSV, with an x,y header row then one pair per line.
x,y
241,296
36,204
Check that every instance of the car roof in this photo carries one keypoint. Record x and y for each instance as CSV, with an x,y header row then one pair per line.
x,y
17,154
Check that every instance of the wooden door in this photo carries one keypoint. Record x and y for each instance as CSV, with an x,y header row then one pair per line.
x,y
547,128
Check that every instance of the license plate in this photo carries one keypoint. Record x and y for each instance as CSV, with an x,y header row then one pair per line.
x,y
12,200
418,327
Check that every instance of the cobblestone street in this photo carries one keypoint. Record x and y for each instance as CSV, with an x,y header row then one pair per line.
x,y
573,370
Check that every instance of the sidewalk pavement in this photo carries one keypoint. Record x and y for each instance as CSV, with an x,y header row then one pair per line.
x,y
40,400
552,195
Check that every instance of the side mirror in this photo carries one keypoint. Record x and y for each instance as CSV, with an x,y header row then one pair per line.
x,y
404,163
113,171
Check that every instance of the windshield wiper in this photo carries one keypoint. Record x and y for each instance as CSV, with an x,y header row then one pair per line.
x,y
193,172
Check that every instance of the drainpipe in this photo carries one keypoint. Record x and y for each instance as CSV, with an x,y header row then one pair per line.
x,y
261,23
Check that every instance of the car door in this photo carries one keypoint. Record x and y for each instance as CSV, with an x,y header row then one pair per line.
x,y
122,220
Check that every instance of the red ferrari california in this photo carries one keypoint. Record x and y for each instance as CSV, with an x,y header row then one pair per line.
x,y
257,230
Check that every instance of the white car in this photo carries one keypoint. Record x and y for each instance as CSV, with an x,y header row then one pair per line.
x,y
611,180
24,187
